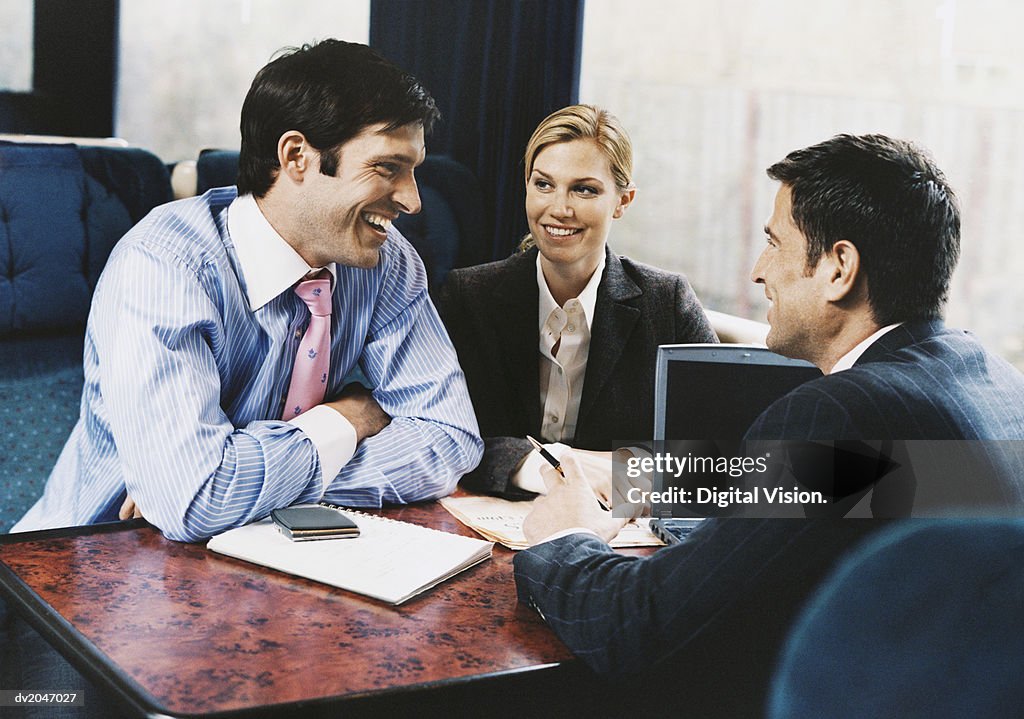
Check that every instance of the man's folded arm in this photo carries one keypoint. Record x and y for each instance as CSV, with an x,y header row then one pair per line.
x,y
189,470
433,438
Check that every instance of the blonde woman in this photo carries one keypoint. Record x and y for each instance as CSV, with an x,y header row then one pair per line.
x,y
559,340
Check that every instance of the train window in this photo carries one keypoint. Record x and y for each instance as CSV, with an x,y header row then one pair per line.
x,y
184,67
16,46
712,93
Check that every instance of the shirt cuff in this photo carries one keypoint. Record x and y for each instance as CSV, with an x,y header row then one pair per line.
x,y
528,475
566,533
333,436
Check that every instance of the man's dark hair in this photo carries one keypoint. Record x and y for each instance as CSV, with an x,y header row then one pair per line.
x,y
329,91
889,199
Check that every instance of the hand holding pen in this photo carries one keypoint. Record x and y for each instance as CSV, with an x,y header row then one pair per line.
x,y
553,461
568,506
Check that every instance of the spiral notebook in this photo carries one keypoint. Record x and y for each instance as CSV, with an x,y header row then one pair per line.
x,y
390,560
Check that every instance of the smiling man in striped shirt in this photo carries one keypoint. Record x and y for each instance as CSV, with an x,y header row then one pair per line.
x,y
195,327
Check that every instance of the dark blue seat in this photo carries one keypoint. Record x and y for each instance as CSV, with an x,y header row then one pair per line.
x,y
62,210
926,620
216,168
445,233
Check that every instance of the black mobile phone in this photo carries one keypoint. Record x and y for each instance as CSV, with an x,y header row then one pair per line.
x,y
314,522
672,531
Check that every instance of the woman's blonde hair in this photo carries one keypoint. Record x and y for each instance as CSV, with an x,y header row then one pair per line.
x,y
583,122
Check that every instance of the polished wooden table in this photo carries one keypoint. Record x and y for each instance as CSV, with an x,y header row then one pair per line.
x,y
173,629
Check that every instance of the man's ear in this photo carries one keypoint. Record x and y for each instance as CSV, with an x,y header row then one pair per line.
x,y
624,199
843,265
294,155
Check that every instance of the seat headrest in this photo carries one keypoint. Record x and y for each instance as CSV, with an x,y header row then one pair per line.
x,y
62,210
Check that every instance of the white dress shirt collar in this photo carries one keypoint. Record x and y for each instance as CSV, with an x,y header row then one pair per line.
x,y
268,263
850,358
587,298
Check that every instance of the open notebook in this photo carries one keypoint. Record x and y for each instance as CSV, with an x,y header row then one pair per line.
x,y
389,560
502,521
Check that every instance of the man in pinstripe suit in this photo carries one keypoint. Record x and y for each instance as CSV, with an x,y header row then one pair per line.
x,y
860,249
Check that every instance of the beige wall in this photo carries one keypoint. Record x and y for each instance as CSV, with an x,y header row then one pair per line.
x,y
712,93
186,65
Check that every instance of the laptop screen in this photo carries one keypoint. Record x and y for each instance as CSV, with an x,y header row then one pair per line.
x,y
717,391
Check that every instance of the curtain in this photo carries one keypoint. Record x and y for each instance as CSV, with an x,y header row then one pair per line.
x,y
496,69
74,71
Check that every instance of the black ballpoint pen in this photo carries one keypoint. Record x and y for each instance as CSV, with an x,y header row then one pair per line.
x,y
550,459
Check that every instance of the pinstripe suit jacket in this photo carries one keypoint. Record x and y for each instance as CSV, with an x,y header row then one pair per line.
x,y
718,605
918,381
491,314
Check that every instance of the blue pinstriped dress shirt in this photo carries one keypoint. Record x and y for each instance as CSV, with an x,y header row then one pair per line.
x,y
184,385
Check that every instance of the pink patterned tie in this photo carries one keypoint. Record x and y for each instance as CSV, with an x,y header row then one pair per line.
x,y
313,358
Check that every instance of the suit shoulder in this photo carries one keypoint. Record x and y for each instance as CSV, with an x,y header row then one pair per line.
x,y
473,282
664,289
669,296
489,270
650,277
819,409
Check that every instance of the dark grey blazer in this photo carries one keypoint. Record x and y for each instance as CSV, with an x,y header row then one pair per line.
x,y
491,314
714,610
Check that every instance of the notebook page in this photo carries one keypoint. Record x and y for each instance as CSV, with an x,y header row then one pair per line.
x,y
501,520
389,560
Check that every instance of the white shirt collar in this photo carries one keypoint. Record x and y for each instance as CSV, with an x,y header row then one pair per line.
x,y
587,298
850,358
269,265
